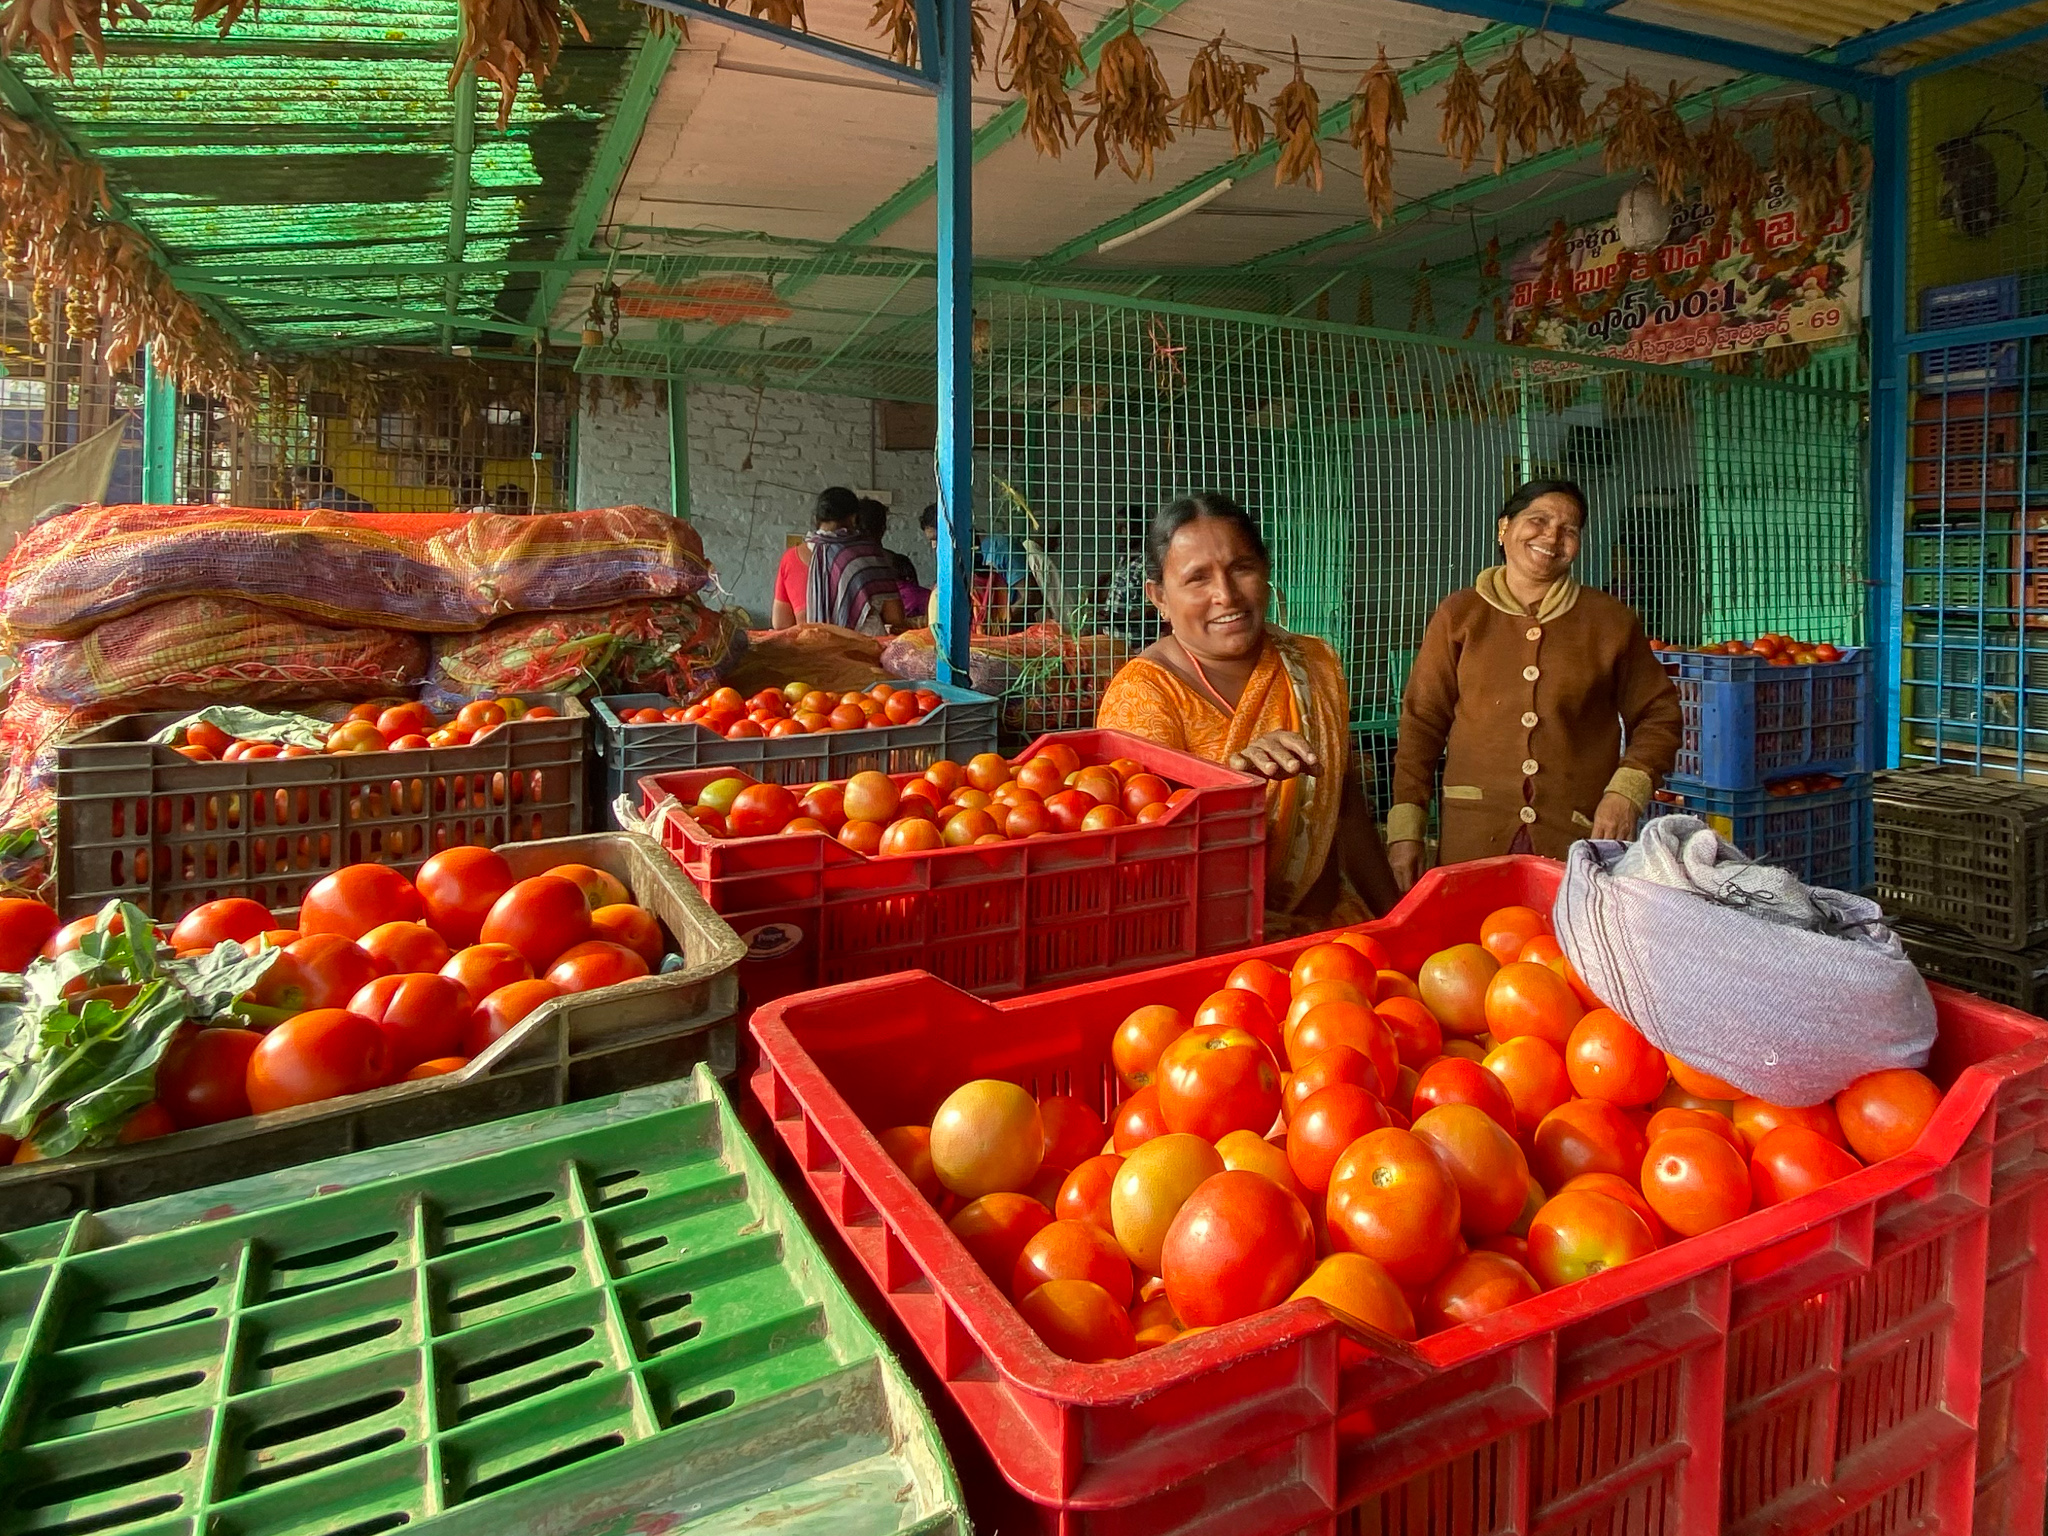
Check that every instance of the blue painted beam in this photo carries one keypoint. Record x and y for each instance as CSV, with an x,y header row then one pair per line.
x,y
1598,26
952,618
1888,406
1970,335
1976,55
159,434
1865,46
924,77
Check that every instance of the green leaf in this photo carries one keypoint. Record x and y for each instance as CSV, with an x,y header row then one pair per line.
x,y
108,1072
214,980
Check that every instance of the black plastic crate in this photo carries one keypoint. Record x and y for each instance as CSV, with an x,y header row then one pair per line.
x,y
2016,977
1964,853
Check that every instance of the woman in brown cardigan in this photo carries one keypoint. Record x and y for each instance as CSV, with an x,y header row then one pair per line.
x,y
1541,699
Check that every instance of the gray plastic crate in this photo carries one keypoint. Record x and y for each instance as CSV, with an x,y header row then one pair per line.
x,y
1963,852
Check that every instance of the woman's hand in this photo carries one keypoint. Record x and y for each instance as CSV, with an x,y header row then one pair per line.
x,y
1406,859
1277,755
1614,817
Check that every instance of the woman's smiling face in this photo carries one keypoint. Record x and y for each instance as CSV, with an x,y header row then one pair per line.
x,y
1542,540
1215,591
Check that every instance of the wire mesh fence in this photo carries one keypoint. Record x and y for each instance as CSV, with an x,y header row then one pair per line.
x,y
57,392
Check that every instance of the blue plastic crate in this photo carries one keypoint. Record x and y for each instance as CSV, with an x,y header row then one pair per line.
x,y
1748,722
1954,305
1825,838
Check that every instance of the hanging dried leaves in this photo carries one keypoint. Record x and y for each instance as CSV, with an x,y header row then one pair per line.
x,y
1729,176
1521,115
1040,52
896,20
225,13
1645,133
1464,125
1378,112
1811,160
55,28
1133,107
1562,85
509,39
1220,91
1297,123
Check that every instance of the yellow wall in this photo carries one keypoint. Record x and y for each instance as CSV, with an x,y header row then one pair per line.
x,y
364,470
1949,105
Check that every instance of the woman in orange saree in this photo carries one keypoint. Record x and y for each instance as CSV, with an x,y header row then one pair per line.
x,y
1225,685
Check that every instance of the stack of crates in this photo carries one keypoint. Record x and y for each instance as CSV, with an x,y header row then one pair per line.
x,y
1775,759
1962,866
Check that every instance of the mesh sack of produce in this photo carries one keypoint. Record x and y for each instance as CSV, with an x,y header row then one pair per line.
x,y
1049,680
823,655
31,727
694,649
195,649
1791,992
914,656
95,565
589,649
517,564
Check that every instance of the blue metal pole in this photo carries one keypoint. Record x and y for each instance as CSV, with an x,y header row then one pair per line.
x,y
1889,404
951,616
159,435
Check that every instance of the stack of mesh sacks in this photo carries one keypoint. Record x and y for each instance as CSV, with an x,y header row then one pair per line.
x,y
113,610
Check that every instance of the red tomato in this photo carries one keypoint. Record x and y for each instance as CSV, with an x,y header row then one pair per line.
x,y
595,963
1374,951
1138,1120
1534,1076
1215,1081
1883,1113
204,733
1073,1250
354,900
1345,1023
600,887
1241,1008
203,1078
1580,1233
540,917
1455,1080
411,718
480,716
25,927
760,809
403,948
1084,1196
1418,1038
440,1066
146,1123
422,1015
1143,789
995,1228
459,887
1476,1285
234,919
1483,1161
1335,962
1263,982
1079,1320
1618,1188
1327,1122
484,968
1073,1132
1144,1034
1695,1181
1069,809
634,927
500,1010
1608,1059
1239,1245
1792,1160
318,1055
1585,1136
1392,1200
322,970
1326,1069
1504,932
1524,998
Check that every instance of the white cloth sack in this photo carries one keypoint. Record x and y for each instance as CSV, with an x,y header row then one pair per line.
x,y
1790,992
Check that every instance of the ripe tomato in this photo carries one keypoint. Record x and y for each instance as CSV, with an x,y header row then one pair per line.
x,y
484,968
1245,1152
1453,983
1143,789
1080,1321
1678,1119
1391,1199
1418,1038
600,887
1352,1024
1695,1181
1072,1250
1618,1188
634,927
995,1228
595,963
825,804
1326,1069
318,1055
1483,1161
910,834
1084,1194
1154,1182
540,917
480,716
145,1123
985,770
1581,1233
402,948
1756,1118
1265,983
1541,950
1073,1132
1528,999
25,927
1334,962
910,1147
411,718
1455,1080
1883,1113
1239,1008
1325,1125
322,970
987,1136
863,837
1069,809
1374,951
232,920
1698,1083
1585,1136
1608,1059
1137,1120
1534,1076
440,1066
1218,1080
870,796
501,1009
1098,783
1239,1244
203,1078
1314,995
1504,933
354,900
1477,1285
1360,1289
1394,984
1791,1161
422,1015
760,809
1135,1048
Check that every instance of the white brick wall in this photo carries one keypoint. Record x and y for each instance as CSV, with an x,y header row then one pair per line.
x,y
798,443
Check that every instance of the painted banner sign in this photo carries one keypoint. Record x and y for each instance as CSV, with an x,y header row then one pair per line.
x,y
1738,305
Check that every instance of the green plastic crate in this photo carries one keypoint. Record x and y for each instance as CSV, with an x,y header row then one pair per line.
x,y
604,1318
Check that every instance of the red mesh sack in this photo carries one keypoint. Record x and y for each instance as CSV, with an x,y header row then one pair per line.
x,y
200,650
823,655
578,560
31,726
628,647
1049,680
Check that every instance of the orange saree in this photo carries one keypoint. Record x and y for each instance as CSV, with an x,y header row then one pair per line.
x,y
1297,686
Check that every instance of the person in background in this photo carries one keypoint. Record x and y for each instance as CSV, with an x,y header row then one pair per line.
x,y
1226,685
1541,699
1125,612
833,512
874,524
988,596
315,490
852,580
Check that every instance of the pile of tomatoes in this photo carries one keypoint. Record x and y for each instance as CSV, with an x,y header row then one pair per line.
x,y
384,980
1778,650
795,709
988,799
381,725
1417,1152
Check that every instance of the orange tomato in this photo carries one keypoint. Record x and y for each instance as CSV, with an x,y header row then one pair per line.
x,y
1265,982
1144,1033
1478,1284
1883,1113
910,1148
1213,1081
1084,1194
1360,1289
1061,756
1154,1182
1695,1181
1418,1038
1352,1024
987,1136
1392,1200
1326,1123
1373,950
1527,999
1585,1136
1041,775
1250,1153
1237,1008
1238,1245
1699,1084
1608,1059
1534,1075
1455,1080
1393,984
1453,983
870,796
1791,1161
1756,1118
1079,1320
1618,1188
1325,1069
1319,992
1099,785
995,1228
1541,950
1504,933
1333,962
1677,1118
1581,1233
1137,1120
1072,1250
1483,1161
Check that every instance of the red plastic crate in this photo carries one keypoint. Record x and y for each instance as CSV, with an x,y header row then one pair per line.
x,y
997,920
1870,1359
